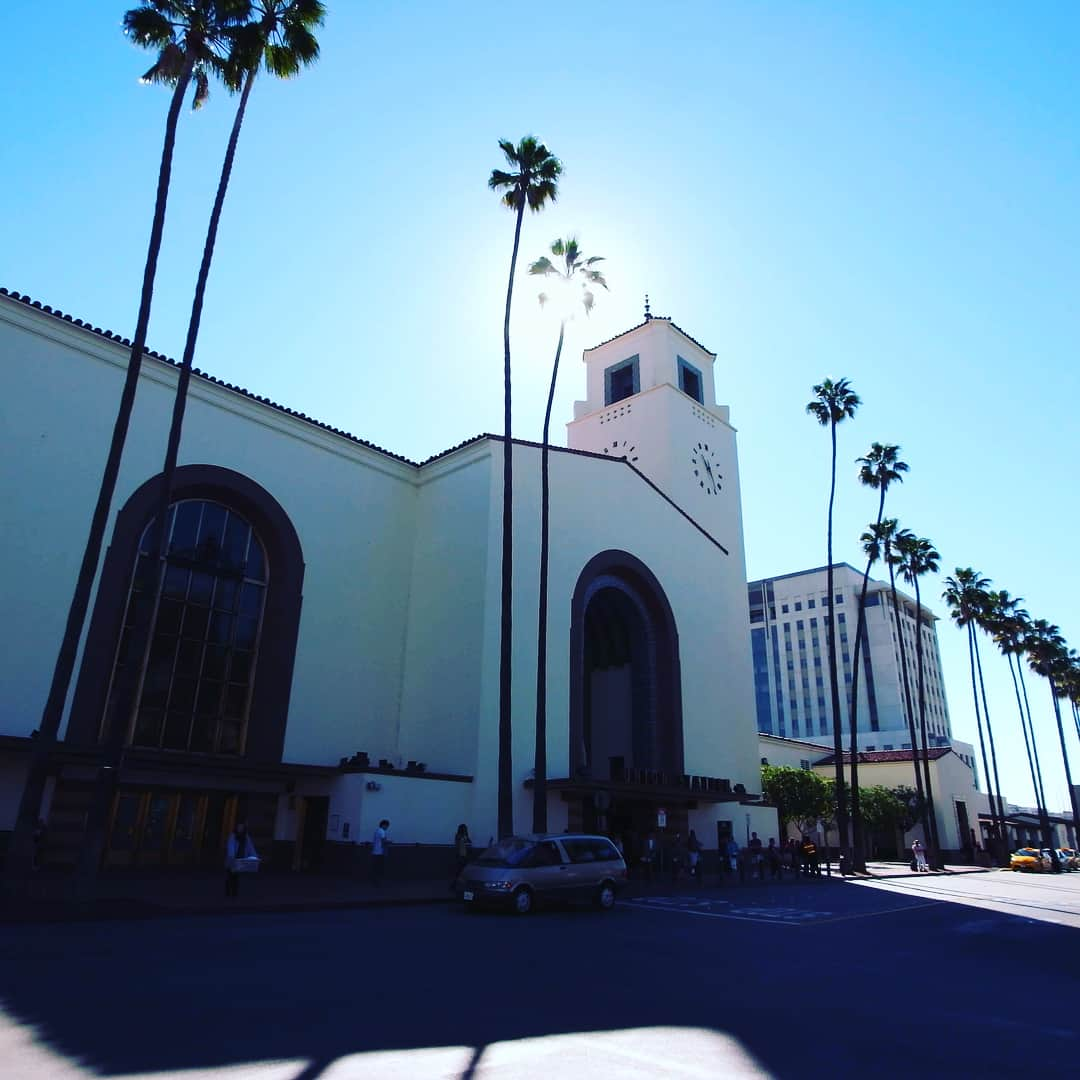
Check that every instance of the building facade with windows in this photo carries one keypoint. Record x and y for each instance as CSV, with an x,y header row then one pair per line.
x,y
325,648
791,668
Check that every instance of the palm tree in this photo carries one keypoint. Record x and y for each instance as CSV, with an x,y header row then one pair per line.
x,y
1010,625
965,594
191,39
894,541
920,557
880,468
1048,656
984,621
278,36
575,270
534,182
833,403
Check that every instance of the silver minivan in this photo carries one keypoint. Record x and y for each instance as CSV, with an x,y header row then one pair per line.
x,y
521,871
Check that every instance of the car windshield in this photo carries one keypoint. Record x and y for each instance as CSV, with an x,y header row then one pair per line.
x,y
1031,853
511,852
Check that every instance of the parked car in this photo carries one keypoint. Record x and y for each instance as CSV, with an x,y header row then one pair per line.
x,y
1069,859
522,871
1029,859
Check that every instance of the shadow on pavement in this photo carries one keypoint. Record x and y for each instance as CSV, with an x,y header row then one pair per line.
x,y
411,992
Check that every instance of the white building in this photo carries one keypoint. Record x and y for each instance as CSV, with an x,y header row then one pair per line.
x,y
791,660
958,804
327,650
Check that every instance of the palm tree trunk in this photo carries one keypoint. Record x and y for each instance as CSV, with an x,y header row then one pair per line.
x,y
1041,792
506,626
936,858
860,629
919,787
1029,742
993,751
838,729
20,855
540,771
128,691
1065,761
982,741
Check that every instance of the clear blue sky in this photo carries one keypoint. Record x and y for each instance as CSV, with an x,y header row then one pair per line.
x,y
883,192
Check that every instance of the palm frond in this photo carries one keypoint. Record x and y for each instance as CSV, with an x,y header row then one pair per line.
x,y
500,179
542,265
148,28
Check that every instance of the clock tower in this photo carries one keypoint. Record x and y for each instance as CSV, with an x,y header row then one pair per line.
x,y
652,400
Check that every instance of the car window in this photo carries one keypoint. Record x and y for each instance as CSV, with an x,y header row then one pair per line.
x,y
587,849
509,852
546,854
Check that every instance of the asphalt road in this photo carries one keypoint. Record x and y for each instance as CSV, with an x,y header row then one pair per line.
x,y
965,976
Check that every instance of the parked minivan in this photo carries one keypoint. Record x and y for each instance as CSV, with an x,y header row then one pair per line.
x,y
521,871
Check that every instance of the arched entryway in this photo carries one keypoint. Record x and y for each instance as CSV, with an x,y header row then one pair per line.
x,y
626,732
625,686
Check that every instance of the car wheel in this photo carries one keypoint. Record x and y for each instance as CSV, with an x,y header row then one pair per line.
x,y
523,901
605,898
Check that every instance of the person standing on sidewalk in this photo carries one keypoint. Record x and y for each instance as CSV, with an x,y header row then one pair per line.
x,y
919,852
693,852
462,847
379,844
238,846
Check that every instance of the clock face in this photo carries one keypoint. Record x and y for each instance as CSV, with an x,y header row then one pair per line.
x,y
621,448
703,466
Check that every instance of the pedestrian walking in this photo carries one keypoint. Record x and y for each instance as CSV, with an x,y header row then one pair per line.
x,y
379,844
810,857
919,852
693,852
238,846
678,857
462,849
757,860
791,856
731,853
648,856
772,858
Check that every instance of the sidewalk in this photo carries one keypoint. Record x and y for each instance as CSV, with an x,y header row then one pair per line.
x,y
50,897
903,869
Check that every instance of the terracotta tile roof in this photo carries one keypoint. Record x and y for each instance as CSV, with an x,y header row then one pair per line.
x,y
109,335
871,757
652,319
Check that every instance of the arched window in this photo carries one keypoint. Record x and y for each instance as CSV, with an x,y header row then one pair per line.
x,y
195,690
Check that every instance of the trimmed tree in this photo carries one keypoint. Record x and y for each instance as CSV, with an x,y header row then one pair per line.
x,y
533,182
575,278
277,36
879,470
834,402
191,40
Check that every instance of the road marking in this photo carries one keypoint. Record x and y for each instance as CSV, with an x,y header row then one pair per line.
x,y
775,916
779,916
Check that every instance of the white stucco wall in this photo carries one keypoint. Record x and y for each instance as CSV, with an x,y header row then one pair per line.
x,y
598,505
398,648
441,679
353,510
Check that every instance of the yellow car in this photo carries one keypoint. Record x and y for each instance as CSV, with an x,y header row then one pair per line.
x,y
1026,858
